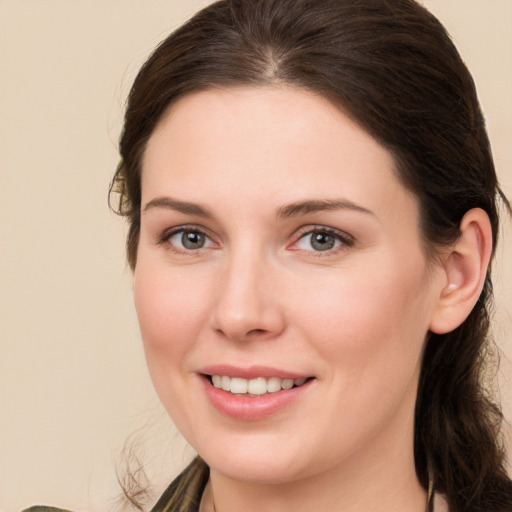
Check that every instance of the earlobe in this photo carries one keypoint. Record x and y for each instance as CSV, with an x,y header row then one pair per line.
x,y
465,267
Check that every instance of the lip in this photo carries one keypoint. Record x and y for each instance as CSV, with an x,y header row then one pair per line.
x,y
250,372
254,408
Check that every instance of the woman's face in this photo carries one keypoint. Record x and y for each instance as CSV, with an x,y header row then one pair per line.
x,y
277,248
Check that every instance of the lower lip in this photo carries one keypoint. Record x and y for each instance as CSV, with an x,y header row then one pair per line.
x,y
252,408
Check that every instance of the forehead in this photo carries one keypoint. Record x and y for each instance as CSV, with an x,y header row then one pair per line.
x,y
284,141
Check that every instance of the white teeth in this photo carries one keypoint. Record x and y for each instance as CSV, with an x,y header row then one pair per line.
x,y
238,386
287,384
254,387
257,386
225,383
273,384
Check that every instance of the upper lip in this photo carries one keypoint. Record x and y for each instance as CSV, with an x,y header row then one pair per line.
x,y
250,372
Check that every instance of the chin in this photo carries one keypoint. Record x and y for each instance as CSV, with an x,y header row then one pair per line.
x,y
261,463
257,472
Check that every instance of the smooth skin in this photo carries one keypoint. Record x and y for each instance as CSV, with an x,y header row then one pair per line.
x,y
275,232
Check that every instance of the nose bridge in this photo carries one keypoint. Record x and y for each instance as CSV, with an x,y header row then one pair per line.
x,y
246,304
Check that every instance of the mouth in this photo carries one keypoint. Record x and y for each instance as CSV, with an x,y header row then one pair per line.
x,y
255,387
255,393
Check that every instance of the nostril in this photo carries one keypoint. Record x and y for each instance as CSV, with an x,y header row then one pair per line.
x,y
247,322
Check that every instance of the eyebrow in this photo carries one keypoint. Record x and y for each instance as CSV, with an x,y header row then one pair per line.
x,y
179,206
296,209
305,207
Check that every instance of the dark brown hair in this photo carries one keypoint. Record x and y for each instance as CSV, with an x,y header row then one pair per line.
x,y
392,67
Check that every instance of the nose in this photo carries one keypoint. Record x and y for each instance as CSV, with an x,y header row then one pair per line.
x,y
247,304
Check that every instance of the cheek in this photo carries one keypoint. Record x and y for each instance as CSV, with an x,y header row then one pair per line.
x,y
371,330
170,313
371,321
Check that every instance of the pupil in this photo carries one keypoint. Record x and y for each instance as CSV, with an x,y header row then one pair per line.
x,y
192,240
322,242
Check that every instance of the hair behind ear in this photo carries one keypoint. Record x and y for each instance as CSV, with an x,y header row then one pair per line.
x,y
458,424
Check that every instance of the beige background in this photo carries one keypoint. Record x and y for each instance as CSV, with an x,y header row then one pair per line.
x,y
73,383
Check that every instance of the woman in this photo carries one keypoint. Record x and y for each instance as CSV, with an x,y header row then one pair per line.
x,y
313,208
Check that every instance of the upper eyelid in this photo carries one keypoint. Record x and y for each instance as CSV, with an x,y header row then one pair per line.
x,y
185,227
306,230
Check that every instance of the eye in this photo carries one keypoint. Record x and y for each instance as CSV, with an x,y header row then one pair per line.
x,y
188,239
322,240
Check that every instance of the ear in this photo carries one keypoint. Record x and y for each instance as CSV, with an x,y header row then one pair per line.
x,y
465,267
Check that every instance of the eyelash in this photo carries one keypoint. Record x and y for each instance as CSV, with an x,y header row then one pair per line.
x,y
345,240
165,239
